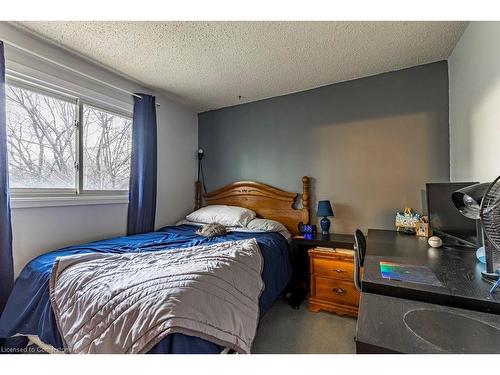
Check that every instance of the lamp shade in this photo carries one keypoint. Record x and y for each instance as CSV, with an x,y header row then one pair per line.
x,y
468,199
324,208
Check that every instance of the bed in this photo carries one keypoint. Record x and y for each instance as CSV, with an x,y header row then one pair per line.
x,y
29,314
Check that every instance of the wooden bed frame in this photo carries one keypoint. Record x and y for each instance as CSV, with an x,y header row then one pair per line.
x,y
268,202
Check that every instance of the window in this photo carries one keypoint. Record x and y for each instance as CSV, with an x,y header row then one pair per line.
x,y
56,143
107,144
41,137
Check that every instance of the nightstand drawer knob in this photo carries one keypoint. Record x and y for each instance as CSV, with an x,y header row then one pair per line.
x,y
340,291
339,271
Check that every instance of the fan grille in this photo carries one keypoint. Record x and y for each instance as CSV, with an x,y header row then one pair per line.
x,y
490,218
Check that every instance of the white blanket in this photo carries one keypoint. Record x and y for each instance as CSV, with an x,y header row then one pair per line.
x,y
126,303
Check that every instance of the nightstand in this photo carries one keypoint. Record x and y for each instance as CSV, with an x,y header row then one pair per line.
x,y
299,286
332,281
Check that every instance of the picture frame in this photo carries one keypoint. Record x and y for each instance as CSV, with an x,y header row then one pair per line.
x,y
406,221
422,229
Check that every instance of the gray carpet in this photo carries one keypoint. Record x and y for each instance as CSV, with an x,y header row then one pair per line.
x,y
284,330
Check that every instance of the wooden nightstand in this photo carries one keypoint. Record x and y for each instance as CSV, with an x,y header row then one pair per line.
x,y
332,281
299,285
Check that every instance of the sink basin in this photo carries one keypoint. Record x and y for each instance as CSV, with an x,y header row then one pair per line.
x,y
451,332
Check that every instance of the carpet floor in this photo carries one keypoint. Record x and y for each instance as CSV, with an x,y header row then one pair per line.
x,y
284,330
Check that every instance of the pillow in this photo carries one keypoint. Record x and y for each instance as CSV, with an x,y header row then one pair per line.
x,y
266,225
229,216
212,230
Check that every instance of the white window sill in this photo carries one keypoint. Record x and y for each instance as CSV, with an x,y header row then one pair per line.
x,y
73,200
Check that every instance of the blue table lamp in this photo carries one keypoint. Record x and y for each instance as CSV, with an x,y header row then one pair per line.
x,y
325,210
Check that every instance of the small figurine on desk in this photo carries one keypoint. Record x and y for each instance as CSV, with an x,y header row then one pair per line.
x,y
422,227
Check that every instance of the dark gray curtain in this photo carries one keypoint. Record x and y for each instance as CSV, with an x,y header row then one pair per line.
x,y
142,189
6,263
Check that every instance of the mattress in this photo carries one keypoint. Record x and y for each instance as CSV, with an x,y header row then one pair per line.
x,y
29,313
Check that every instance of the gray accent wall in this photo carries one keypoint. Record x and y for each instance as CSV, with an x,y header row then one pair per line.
x,y
369,145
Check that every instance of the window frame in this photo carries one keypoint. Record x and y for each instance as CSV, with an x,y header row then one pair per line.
x,y
41,197
79,146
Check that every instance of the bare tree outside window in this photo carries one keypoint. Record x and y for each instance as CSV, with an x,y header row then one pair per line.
x,y
42,139
107,144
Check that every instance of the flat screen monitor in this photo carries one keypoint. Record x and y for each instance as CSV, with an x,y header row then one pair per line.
x,y
444,218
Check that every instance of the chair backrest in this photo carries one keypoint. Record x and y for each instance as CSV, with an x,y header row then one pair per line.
x,y
360,241
359,257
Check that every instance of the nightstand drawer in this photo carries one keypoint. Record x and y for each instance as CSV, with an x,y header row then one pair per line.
x,y
340,292
334,268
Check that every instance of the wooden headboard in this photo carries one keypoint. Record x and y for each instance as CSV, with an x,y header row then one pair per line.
x,y
268,202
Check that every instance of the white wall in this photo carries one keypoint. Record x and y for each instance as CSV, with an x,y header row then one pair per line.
x,y
37,230
177,161
474,72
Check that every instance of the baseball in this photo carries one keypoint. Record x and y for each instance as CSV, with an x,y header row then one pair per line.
x,y
435,241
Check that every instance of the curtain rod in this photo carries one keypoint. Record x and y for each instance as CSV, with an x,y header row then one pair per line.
x,y
17,46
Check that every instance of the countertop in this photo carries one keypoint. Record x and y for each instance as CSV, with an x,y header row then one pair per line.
x,y
394,325
457,269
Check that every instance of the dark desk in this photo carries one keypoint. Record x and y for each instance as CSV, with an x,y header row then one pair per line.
x,y
392,325
300,260
457,269
394,316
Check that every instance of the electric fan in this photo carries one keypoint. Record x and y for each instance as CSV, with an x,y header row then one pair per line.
x,y
482,201
490,219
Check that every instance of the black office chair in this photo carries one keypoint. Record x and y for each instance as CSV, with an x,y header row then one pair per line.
x,y
359,257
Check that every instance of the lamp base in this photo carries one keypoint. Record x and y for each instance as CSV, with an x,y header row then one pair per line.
x,y
325,225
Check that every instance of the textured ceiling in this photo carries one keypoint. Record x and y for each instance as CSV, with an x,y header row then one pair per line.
x,y
210,64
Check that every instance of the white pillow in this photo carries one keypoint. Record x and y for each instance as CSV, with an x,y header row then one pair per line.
x,y
229,216
266,225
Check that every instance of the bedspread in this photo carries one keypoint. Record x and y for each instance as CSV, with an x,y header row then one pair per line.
x,y
116,304
29,310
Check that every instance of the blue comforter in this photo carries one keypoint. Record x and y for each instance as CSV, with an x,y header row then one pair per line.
x,y
29,312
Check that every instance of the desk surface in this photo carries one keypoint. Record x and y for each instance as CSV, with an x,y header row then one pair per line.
x,y
457,269
385,326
